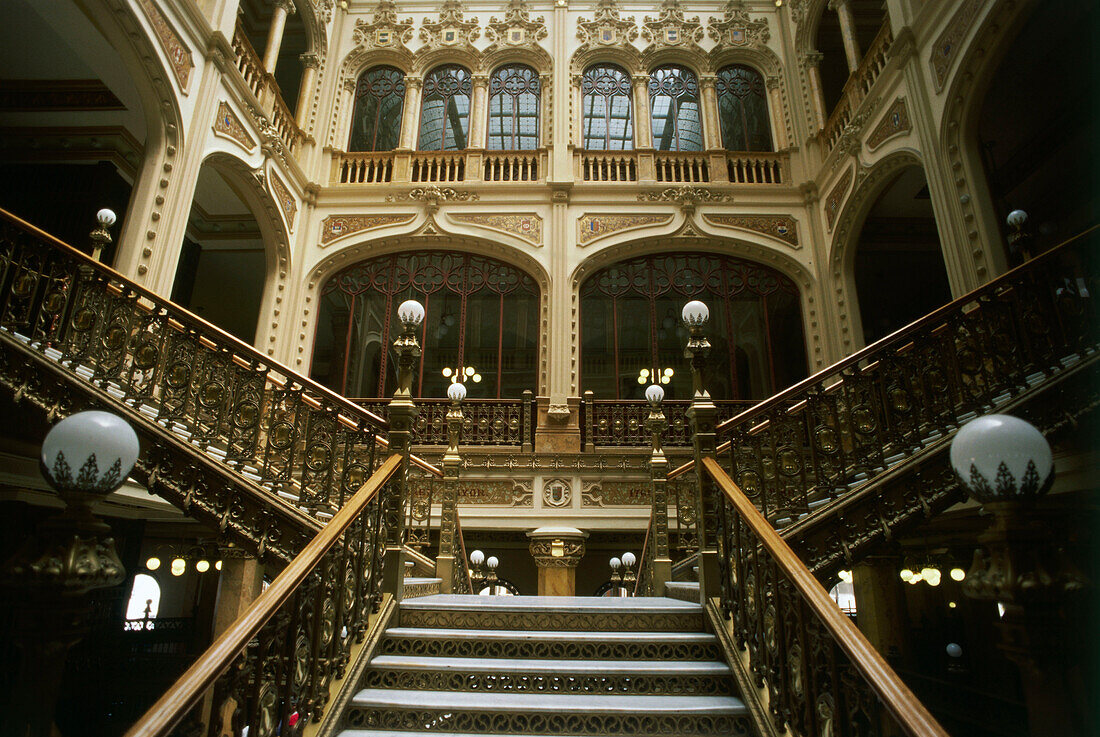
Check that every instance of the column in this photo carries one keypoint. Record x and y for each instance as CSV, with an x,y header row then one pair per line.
x,y
310,64
712,128
564,89
775,112
811,62
410,115
643,127
279,13
557,551
479,112
881,604
847,32
448,514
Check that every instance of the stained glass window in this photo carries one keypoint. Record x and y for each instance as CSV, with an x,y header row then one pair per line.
x,y
630,321
379,103
743,109
445,109
674,109
479,312
514,108
605,98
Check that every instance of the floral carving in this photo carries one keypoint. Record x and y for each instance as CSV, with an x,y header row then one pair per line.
x,y
338,226
285,199
433,195
507,493
894,123
606,28
593,226
836,196
450,30
738,29
686,196
947,45
229,125
174,47
384,30
670,28
782,227
616,494
517,28
527,226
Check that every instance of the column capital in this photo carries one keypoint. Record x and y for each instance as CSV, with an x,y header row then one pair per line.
x,y
480,79
557,547
811,59
414,83
285,5
640,79
310,61
708,81
837,4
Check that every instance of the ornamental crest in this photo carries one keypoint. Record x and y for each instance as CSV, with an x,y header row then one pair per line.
x,y
517,28
593,226
450,29
738,29
606,28
338,226
527,226
670,28
385,30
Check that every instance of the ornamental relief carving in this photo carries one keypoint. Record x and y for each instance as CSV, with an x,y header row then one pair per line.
x,y
527,226
516,30
949,42
670,28
557,493
836,197
451,29
616,493
178,53
895,122
338,226
502,493
226,123
286,200
384,30
594,226
557,553
783,227
606,28
737,29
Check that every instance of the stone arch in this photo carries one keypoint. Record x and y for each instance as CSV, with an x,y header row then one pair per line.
x,y
537,58
808,21
429,238
626,57
428,59
364,57
693,59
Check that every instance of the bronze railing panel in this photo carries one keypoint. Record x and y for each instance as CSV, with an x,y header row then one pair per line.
x,y
484,421
621,422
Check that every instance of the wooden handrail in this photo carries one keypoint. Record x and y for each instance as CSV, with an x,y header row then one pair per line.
x,y
187,317
907,710
190,687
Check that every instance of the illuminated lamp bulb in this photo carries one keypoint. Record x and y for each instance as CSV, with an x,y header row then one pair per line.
x,y
906,575
202,566
218,566
179,565
915,579
153,563
957,574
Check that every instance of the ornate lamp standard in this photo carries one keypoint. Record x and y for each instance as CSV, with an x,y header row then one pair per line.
x,y
703,416
84,458
1006,465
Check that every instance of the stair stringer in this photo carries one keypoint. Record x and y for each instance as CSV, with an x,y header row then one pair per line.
x,y
168,466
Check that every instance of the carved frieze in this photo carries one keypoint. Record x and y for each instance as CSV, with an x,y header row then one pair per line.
x,y
178,53
670,28
384,30
229,125
836,197
338,226
451,29
593,226
894,123
738,29
606,28
434,195
783,227
686,196
616,493
949,42
503,493
525,225
286,200
517,29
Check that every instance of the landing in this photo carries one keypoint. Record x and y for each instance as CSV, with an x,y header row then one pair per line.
x,y
536,603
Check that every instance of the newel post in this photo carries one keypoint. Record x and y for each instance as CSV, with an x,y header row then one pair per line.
x,y
452,463
658,476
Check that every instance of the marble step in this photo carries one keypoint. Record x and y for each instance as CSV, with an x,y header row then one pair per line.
x,y
633,614
544,714
683,590
548,645
519,675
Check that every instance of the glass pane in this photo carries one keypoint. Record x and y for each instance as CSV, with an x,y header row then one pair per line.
x,y
674,109
514,108
445,109
605,100
743,109
379,104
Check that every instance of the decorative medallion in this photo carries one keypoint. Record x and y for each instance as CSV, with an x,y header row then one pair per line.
x,y
947,45
738,29
508,493
557,493
177,52
450,29
670,28
338,226
616,493
286,200
385,30
433,194
782,227
229,125
527,225
895,123
686,196
517,28
836,196
606,28
593,226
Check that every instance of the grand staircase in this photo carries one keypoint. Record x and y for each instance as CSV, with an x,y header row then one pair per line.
x,y
464,665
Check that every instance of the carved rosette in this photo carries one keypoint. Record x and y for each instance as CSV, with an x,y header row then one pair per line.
x,y
738,29
517,29
606,28
451,29
670,28
557,547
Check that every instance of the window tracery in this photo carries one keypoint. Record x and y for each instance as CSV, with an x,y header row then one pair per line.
x,y
743,109
379,103
674,109
445,109
608,122
514,92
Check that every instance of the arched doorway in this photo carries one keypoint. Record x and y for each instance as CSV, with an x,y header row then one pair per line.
x,y
899,269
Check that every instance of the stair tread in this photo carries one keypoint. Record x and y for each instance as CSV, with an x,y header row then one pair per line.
x,y
546,635
555,604
510,701
521,665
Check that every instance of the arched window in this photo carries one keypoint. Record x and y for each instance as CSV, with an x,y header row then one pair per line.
x,y
480,313
144,594
743,109
605,99
445,109
514,108
674,109
379,103
630,322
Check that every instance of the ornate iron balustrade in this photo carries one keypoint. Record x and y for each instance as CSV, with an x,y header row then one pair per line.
x,y
821,674
177,375
484,421
825,436
621,422
276,663
461,583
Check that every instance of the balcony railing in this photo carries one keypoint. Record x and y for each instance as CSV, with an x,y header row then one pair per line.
x,y
363,168
682,166
621,422
508,422
438,166
858,85
757,168
599,166
513,166
266,90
